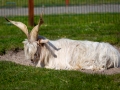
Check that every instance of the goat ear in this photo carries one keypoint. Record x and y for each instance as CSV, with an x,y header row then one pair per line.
x,y
42,41
34,32
20,25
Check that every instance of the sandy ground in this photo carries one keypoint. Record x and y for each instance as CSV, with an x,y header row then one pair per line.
x,y
18,57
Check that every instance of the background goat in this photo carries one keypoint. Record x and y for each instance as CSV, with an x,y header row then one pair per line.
x,y
67,54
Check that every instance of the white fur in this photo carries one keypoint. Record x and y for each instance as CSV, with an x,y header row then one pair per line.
x,y
30,49
75,55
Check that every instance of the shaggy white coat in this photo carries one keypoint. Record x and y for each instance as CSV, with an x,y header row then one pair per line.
x,y
75,55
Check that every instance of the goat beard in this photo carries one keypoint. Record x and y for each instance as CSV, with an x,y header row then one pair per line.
x,y
37,55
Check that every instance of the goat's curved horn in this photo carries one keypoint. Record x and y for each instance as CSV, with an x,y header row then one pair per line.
x,y
34,32
20,25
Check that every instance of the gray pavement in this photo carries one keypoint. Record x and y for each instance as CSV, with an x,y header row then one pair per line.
x,y
62,10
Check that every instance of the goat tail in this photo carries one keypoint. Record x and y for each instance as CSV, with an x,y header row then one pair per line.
x,y
117,59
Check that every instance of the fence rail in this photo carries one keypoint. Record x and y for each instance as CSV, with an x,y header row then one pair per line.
x,y
84,9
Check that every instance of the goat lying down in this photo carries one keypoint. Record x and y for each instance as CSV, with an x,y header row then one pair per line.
x,y
67,54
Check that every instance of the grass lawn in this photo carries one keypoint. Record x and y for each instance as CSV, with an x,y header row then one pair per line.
x,y
24,3
96,27
14,76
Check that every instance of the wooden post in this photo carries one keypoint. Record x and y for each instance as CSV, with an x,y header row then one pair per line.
x,y
67,2
31,12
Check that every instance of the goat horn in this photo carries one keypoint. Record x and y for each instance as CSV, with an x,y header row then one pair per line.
x,y
20,25
34,32
40,21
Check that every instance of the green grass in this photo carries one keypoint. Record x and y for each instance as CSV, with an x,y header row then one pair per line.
x,y
14,76
96,27
24,3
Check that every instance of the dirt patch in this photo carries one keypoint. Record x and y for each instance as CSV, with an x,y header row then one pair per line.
x,y
18,57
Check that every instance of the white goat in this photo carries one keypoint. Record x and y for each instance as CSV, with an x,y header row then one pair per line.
x,y
67,54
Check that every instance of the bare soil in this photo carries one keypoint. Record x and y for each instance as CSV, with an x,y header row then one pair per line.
x,y
19,58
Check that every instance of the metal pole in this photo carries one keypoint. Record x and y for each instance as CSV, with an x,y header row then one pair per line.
x,y
67,2
31,12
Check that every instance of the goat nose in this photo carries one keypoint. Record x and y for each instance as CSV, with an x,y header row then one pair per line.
x,y
32,60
